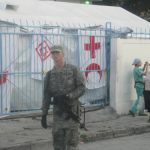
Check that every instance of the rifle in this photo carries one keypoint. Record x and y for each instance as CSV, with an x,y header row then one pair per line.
x,y
75,117
62,104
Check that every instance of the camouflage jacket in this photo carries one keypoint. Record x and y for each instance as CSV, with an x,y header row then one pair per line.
x,y
68,81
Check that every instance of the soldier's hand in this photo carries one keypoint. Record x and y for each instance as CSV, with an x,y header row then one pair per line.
x,y
65,97
44,121
61,100
61,97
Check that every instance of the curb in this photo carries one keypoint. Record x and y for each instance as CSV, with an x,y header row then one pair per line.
x,y
114,129
114,133
90,137
39,145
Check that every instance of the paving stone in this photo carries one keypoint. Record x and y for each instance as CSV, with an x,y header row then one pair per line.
x,y
27,133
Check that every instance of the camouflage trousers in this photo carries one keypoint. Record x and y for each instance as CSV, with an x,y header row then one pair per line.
x,y
65,139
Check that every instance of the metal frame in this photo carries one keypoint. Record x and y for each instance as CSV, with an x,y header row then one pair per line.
x,y
25,30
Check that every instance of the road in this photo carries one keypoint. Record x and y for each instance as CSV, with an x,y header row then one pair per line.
x,y
137,142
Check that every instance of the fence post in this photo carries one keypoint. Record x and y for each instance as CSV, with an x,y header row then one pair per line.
x,y
1,104
108,56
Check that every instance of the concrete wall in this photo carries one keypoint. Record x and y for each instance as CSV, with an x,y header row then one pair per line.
x,y
123,52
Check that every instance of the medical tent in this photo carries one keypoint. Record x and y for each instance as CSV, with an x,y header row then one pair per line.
x,y
23,26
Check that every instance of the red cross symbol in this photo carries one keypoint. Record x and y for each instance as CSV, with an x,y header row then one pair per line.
x,y
92,46
3,77
43,50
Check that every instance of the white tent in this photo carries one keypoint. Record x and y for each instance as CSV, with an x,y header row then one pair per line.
x,y
38,13
49,12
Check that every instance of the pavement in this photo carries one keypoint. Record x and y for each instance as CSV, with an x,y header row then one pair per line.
x,y
26,133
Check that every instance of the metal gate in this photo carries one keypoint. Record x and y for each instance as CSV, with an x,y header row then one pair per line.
x,y
25,58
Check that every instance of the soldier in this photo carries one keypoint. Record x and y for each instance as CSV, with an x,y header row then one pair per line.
x,y
63,85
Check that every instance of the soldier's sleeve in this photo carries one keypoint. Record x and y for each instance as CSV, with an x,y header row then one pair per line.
x,y
46,95
79,84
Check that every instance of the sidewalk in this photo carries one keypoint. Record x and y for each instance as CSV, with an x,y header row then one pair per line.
x,y
27,133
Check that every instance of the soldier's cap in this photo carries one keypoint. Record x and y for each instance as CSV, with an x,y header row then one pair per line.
x,y
56,48
136,61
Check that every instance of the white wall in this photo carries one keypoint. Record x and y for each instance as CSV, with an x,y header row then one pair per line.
x,y
123,52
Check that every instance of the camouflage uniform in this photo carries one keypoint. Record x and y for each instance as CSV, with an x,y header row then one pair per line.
x,y
69,81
